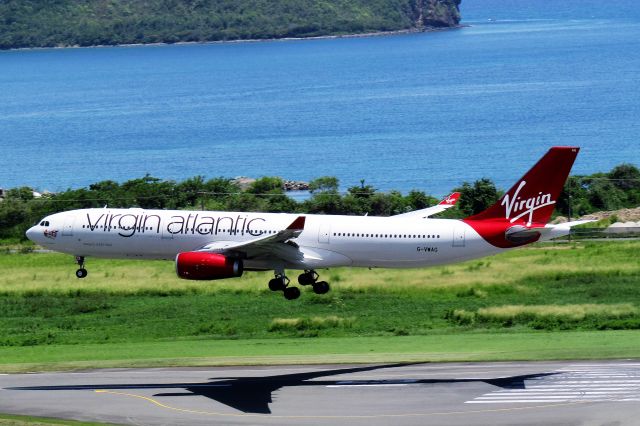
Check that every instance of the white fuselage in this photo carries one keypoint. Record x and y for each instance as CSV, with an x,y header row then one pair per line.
x,y
326,241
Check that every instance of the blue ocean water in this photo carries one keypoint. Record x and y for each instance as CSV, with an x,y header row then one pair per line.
x,y
425,111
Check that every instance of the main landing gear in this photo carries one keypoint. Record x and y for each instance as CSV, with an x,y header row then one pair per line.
x,y
310,277
81,272
281,282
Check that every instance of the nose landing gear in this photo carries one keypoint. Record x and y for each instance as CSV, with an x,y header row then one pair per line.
x,y
81,272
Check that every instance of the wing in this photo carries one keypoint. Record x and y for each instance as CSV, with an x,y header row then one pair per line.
x,y
260,245
448,202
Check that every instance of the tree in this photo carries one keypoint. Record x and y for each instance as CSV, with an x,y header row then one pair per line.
x,y
190,191
14,218
324,203
626,177
218,192
358,199
325,198
603,195
388,204
574,198
477,197
266,185
418,200
23,193
324,184
151,193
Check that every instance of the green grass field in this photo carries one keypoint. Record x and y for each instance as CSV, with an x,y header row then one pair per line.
x,y
585,298
11,420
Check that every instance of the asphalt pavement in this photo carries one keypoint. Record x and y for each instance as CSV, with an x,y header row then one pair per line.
x,y
511,393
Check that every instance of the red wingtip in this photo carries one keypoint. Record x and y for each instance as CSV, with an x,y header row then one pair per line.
x,y
297,224
450,200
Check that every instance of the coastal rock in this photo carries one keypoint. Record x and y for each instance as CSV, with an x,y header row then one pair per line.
x,y
295,185
438,13
245,182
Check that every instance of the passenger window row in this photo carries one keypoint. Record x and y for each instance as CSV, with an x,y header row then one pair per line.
x,y
404,236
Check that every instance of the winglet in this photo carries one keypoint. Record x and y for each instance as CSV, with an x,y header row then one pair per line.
x,y
446,203
297,225
450,200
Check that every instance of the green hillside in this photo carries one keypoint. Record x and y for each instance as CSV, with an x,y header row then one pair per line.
x,y
50,23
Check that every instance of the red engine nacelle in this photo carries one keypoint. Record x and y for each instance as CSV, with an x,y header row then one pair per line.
x,y
193,265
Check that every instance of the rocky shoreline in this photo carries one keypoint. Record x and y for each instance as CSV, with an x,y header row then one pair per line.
x,y
288,185
132,23
256,40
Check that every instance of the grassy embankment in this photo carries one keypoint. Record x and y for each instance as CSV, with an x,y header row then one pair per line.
x,y
504,307
12,420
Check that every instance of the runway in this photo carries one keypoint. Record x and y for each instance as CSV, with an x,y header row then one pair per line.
x,y
512,393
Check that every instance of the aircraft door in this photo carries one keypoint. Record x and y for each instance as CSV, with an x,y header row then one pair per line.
x,y
458,235
67,228
324,233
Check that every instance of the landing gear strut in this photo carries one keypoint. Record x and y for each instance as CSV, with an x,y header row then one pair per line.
x,y
81,272
280,282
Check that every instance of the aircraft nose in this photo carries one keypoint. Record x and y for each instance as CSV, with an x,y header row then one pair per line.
x,y
31,234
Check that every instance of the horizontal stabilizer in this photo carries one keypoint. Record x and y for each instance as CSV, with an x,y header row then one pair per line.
x,y
550,232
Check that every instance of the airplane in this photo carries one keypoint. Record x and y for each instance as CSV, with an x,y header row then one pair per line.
x,y
210,245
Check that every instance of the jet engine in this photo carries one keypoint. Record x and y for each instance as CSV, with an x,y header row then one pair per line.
x,y
520,235
193,265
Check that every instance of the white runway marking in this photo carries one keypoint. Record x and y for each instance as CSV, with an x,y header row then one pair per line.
x,y
612,382
367,385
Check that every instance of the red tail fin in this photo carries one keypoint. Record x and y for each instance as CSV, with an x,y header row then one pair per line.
x,y
533,198
529,203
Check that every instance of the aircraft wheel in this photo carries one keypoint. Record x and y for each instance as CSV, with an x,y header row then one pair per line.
x,y
81,273
321,287
291,293
305,279
276,284
308,278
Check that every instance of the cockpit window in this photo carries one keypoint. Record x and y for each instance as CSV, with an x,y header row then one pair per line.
x,y
44,223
